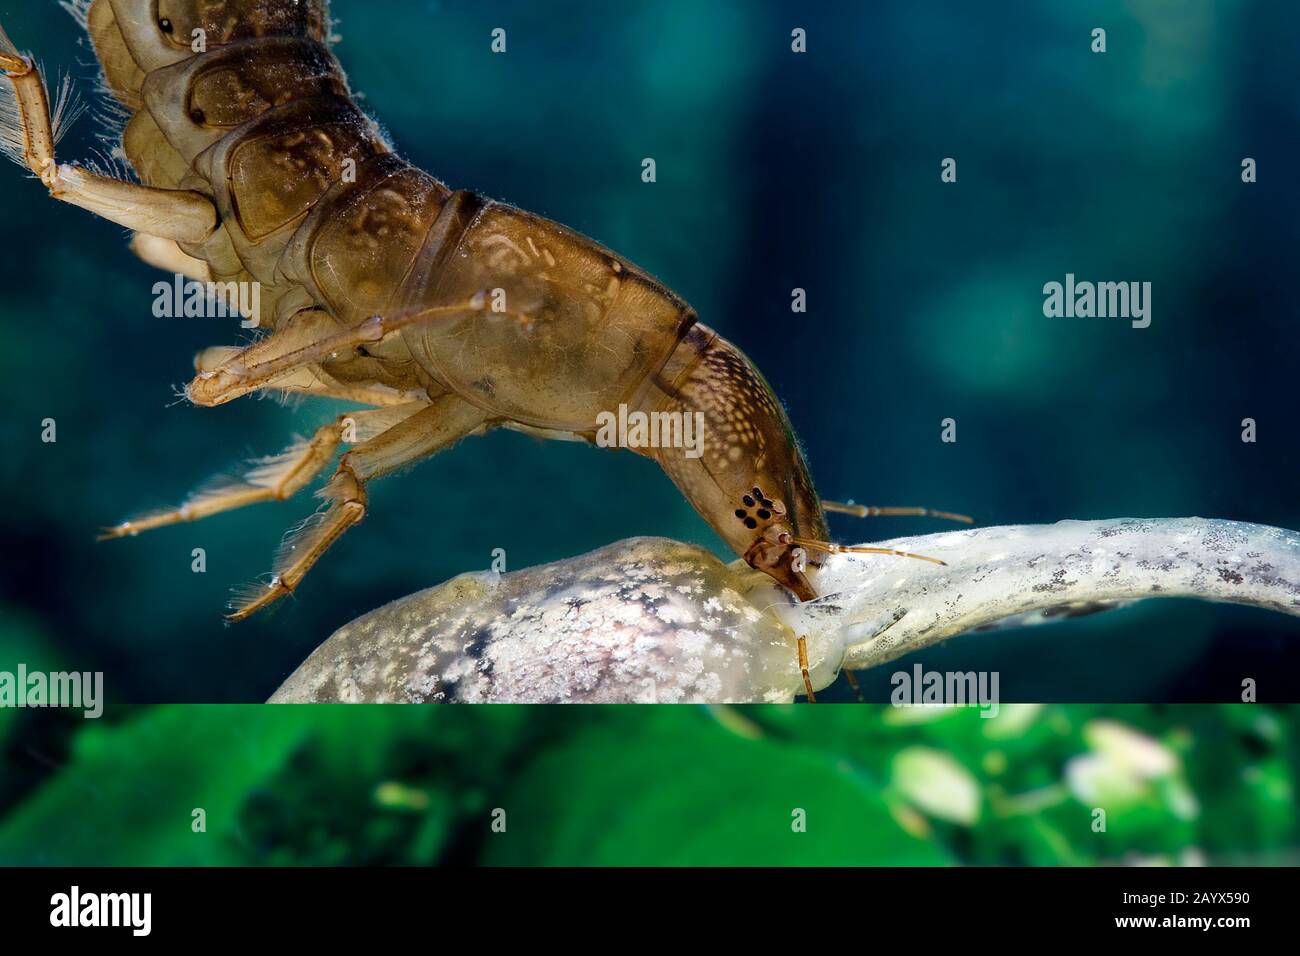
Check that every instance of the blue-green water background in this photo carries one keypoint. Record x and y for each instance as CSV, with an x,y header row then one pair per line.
x,y
775,170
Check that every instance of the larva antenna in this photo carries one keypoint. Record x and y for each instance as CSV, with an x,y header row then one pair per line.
x,y
871,511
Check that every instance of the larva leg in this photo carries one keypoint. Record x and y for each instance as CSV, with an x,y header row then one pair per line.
x,y
28,135
269,479
803,666
285,350
310,381
166,255
272,479
224,375
440,425
871,511
853,684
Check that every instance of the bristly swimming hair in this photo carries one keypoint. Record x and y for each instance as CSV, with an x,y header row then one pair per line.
x,y
67,109
79,10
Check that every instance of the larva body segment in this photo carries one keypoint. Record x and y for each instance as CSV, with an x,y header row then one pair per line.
x,y
260,120
378,283
596,329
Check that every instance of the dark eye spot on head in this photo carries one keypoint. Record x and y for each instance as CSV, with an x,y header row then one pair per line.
x,y
165,26
751,523
764,513
198,116
749,502
740,512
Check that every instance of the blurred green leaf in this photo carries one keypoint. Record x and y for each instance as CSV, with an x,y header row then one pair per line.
x,y
128,794
613,796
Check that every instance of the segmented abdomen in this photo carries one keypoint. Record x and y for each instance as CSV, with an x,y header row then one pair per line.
x,y
243,101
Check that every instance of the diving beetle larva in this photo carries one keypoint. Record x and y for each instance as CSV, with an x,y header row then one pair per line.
x,y
444,313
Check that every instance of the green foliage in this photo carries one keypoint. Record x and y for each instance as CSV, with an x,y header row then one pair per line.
x,y
334,785
672,787
129,791
21,643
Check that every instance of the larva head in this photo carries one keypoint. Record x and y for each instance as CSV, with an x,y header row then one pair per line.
x,y
774,549
748,479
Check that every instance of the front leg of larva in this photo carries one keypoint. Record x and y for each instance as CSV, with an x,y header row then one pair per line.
x,y
29,132
309,337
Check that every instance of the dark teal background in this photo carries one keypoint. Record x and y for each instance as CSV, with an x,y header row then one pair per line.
x,y
775,170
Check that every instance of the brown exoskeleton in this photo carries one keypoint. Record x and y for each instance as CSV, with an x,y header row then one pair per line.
x,y
380,285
